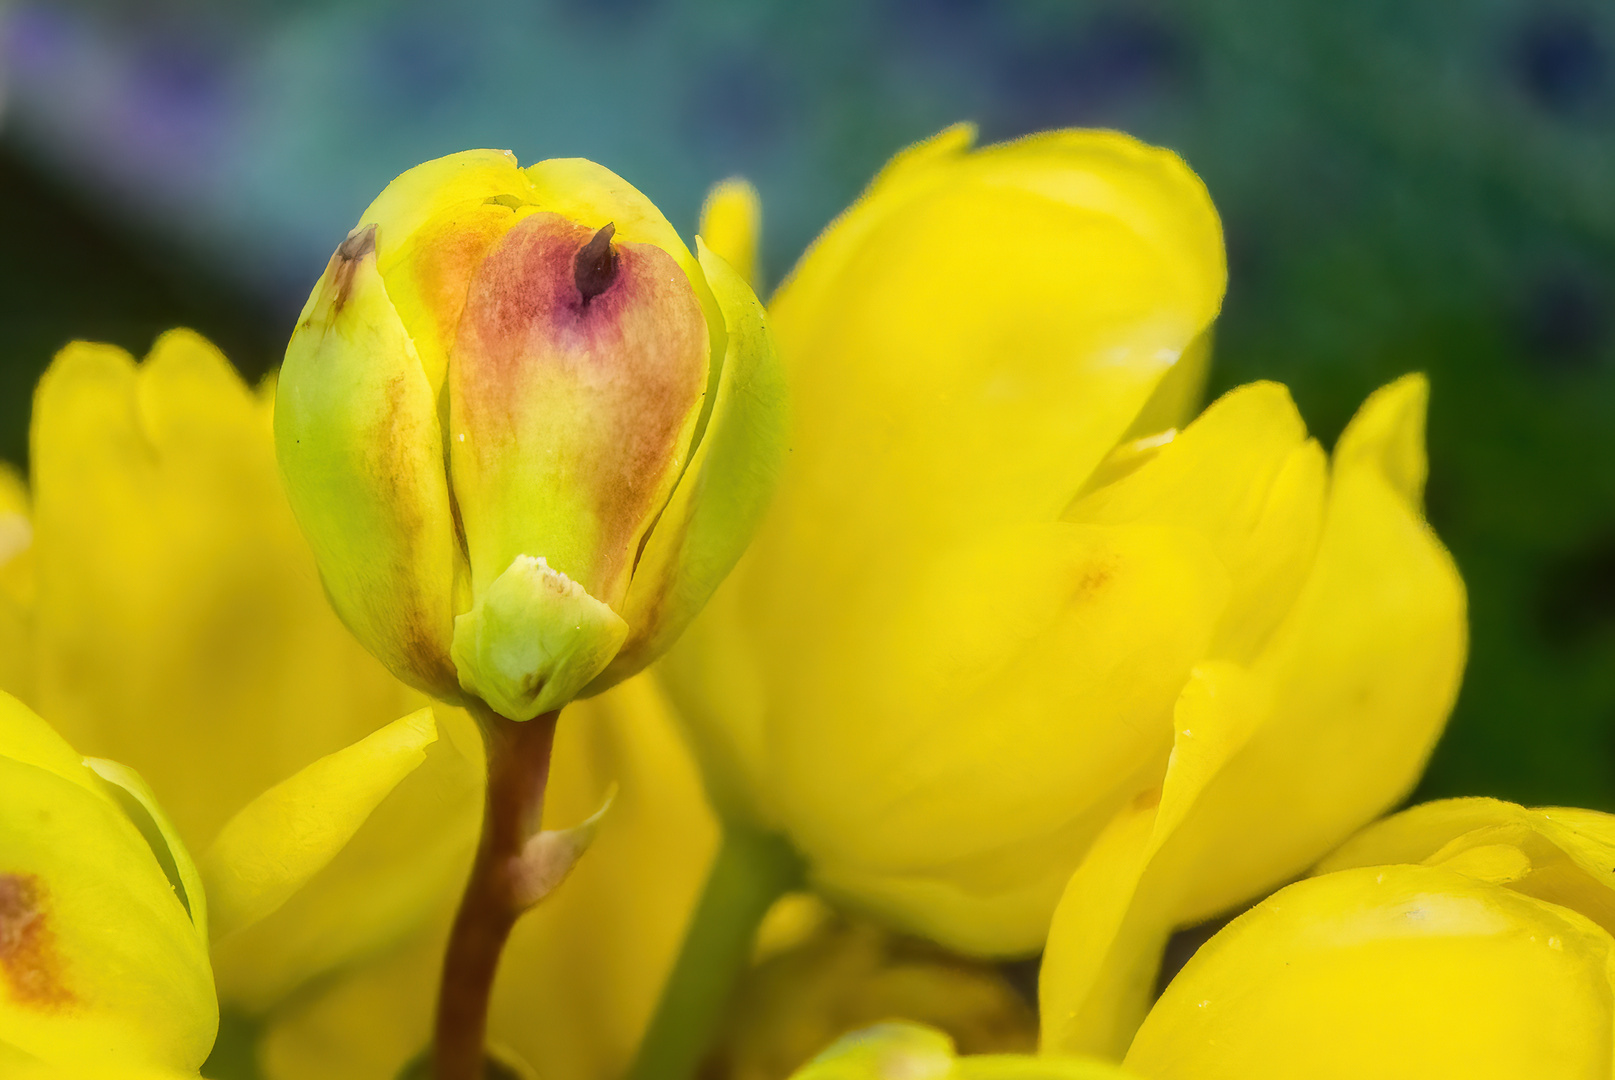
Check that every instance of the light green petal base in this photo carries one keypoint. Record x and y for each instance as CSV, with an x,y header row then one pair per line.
x,y
534,640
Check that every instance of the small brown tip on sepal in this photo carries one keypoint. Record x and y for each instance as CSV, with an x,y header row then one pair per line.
x,y
595,267
349,253
360,242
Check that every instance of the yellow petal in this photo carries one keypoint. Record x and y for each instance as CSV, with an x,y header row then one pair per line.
x,y
1246,476
31,1068
963,347
717,677
1329,726
1563,855
1119,908
731,225
1418,832
1026,1067
976,665
357,438
1393,971
584,969
1363,674
364,1024
971,337
17,584
140,805
99,961
27,739
720,499
915,1052
181,628
1386,438
1180,393
885,1050
401,870
283,837
433,189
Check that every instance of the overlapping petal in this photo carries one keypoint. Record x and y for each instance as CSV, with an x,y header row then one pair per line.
x,y
1275,761
101,964
178,626
584,969
965,346
1480,948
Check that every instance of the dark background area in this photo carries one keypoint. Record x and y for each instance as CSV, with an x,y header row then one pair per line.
x,y
1418,184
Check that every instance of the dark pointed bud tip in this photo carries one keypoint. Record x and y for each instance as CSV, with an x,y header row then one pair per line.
x,y
596,265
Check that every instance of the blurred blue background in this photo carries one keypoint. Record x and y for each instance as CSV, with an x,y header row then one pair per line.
x,y
1405,184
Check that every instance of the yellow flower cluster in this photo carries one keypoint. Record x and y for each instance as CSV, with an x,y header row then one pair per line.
x,y
1465,938
1026,654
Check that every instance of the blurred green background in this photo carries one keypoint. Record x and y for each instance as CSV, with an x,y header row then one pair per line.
x,y
1405,184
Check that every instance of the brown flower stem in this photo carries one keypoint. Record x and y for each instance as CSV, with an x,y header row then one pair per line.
x,y
518,771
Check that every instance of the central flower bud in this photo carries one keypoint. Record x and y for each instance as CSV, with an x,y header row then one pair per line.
x,y
525,431
574,388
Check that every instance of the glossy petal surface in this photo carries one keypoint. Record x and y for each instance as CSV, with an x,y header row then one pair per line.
x,y
1391,971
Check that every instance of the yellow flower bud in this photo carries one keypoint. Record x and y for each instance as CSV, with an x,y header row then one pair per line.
x,y
997,573
1467,938
525,431
103,921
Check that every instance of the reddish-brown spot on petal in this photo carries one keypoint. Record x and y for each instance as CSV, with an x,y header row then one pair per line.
x,y
586,393
28,957
1096,577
